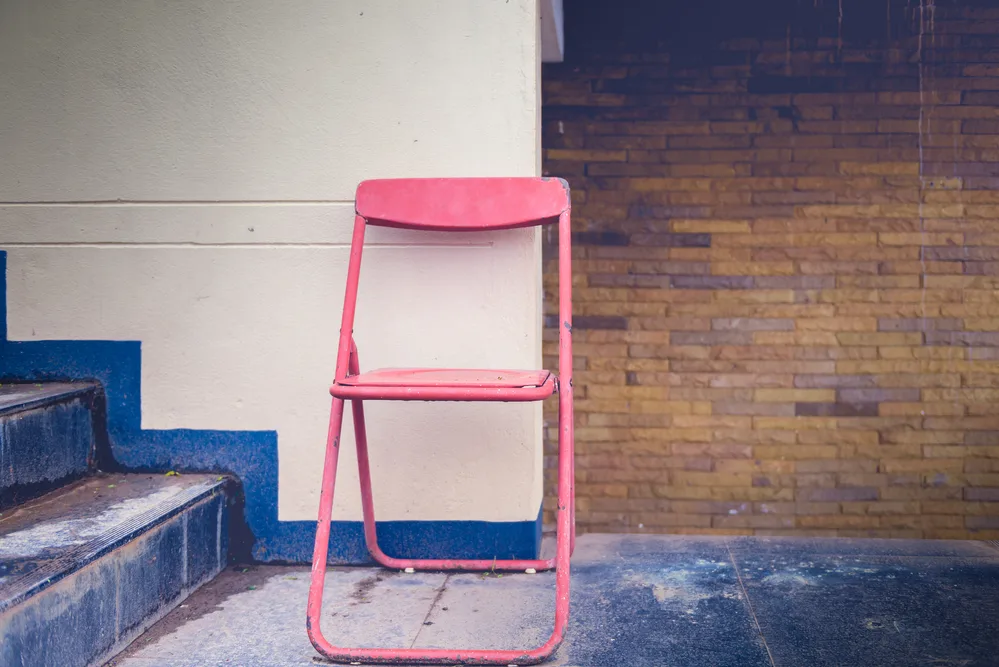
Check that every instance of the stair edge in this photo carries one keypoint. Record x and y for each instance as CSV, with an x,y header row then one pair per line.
x,y
32,583
77,389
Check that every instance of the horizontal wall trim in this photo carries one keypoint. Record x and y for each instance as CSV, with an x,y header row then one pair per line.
x,y
216,223
185,202
244,246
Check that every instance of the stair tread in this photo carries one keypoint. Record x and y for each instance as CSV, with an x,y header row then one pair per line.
x,y
58,533
22,395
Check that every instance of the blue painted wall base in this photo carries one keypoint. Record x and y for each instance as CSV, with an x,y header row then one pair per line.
x,y
252,456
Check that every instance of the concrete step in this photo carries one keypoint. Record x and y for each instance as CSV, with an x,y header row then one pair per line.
x,y
47,437
87,568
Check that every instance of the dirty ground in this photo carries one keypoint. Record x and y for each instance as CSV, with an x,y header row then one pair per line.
x,y
641,601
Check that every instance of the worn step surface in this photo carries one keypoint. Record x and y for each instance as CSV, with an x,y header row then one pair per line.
x,y
47,437
86,568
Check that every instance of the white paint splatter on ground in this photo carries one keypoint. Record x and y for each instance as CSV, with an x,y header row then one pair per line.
x,y
784,578
71,532
808,574
682,588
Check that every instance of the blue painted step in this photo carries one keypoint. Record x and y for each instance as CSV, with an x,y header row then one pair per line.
x,y
87,568
47,437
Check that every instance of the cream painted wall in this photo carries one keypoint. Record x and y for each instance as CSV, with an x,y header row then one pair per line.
x,y
182,173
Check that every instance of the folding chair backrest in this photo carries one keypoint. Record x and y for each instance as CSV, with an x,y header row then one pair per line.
x,y
462,204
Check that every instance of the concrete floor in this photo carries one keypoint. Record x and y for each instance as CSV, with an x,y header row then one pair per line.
x,y
640,601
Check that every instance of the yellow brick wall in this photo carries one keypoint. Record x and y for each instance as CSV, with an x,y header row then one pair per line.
x,y
786,260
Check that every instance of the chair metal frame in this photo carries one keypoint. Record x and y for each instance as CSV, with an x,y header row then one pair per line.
x,y
449,204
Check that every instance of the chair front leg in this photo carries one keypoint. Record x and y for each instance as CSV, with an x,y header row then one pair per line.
x,y
321,550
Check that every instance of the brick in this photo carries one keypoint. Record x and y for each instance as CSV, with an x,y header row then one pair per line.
x,y
796,508
670,240
895,309
838,268
794,282
919,493
670,323
709,507
794,395
921,268
963,338
981,268
752,380
843,324
752,324
842,521
981,479
596,322
671,267
753,521
796,424
880,339
630,280
982,494
880,168
961,253
753,268
841,409
877,395
586,155
656,184
935,466
602,238
711,282
931,354
754,296
952,507
837,495
982,522
878,282
922,239
832,353
949,452
710,226
849,296
920,324
881,507
754,409
843,466
754,436
644,142
662,212
795,452
710,338
971,424
920,380
965,395
834,381
795,338
711,479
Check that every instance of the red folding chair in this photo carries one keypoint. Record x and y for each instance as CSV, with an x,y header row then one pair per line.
x,y
446,204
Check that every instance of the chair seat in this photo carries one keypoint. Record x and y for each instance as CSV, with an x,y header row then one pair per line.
x,y
447,384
